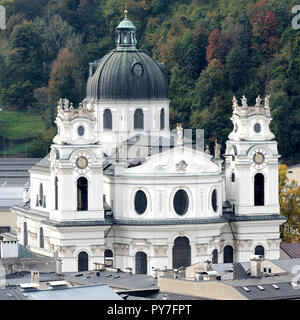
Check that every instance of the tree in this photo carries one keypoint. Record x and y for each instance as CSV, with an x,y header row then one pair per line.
x,y
40,147
265,35
289,200
24,72
66,80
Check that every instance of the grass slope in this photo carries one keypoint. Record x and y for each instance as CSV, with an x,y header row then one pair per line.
x,y
20,125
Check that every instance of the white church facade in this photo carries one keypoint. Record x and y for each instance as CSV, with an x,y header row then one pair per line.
x,y
103,196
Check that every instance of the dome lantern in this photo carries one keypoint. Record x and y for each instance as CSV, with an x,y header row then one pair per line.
x,y
126,39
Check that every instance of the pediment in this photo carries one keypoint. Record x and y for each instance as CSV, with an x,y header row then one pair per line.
x,y
179,160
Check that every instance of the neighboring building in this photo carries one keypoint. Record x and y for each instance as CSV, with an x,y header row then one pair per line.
x,y
95,200
14,177
294,173
289,250
261,280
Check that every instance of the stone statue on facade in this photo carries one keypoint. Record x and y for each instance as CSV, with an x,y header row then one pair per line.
x,y
179,130
217,150
66,104
234,103
258,101
267,101
244,102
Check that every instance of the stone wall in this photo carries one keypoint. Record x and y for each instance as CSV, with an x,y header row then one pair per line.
x,y
13,265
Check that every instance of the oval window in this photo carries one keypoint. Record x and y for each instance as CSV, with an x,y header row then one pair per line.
x,y
137,69
80,131
257,127
181,202
140,202
214,201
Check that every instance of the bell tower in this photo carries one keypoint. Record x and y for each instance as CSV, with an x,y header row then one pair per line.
x,y
76,164
252,160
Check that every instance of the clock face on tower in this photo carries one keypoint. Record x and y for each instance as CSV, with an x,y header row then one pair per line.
x,y
81,162
259,158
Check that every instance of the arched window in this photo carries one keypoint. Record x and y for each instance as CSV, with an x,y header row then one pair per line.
x,y
259,190
82,194
181,252
41,195
83,261
41,238
108,258
214,202
107,120
232,177
215,256
228,254
25,234
141,263
259,250
181,202
56,193
162,119
160,146
139,119
140,202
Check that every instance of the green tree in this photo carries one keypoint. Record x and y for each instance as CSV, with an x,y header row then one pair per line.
x,y
24,72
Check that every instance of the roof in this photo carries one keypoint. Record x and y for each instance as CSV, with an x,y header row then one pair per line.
x,y
24,252
114,78
17,278
291,249
43,165
8,293
287,264
14,176
118,280
92,292
277,291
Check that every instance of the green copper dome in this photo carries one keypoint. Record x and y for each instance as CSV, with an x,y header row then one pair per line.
x,y
127,73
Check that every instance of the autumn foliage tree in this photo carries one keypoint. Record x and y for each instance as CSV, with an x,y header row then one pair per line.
x,y
289,200
265,35
66,80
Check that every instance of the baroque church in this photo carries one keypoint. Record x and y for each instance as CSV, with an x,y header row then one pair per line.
x,y
119,189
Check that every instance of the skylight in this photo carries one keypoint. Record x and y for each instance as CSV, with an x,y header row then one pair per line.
x,y
260,287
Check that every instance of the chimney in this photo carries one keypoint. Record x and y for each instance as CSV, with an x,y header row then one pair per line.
x,y
35,277
59,267
255,266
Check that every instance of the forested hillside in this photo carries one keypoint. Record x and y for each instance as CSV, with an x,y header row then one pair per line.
x,y
212,50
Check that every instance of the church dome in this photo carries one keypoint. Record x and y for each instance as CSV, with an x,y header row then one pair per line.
x,y
127,73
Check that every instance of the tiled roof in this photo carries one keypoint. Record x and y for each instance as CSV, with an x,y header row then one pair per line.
x,y
291,249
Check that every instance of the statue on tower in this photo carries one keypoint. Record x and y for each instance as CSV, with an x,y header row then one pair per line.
x,y
267,101
234,103
217,150
179,130
258,101
244,102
